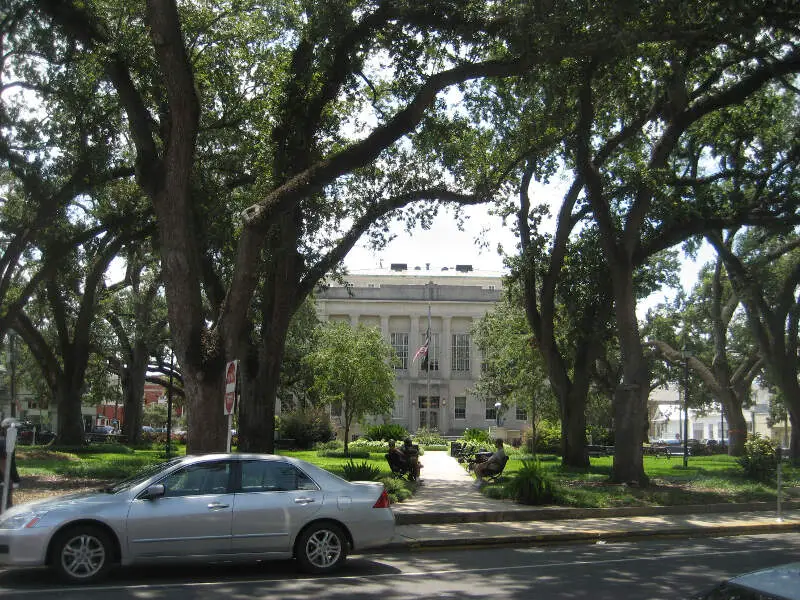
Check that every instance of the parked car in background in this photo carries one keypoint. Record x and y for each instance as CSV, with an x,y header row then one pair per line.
x,y
103,430
202,508
773,583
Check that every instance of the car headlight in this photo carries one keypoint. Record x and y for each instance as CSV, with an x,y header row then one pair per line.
x,y
23,520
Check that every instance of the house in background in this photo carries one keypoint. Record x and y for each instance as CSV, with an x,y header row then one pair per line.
x,y
666,423
397,301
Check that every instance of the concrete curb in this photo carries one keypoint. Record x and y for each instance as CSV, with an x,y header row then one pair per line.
x,y
561,513
589,536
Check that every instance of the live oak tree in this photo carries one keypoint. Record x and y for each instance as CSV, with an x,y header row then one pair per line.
x,y
353,372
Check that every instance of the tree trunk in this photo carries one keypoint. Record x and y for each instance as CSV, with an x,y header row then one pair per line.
x,y
133,396
205,393
573,432
70,420
794,444
737,429
630,398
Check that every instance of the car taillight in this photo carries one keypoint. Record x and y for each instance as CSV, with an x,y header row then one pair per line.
x,y
383,501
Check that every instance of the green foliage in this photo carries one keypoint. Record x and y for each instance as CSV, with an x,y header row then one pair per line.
x,y
352,369
602,436
361,472
531,484
369,445
342,454
307,426
476,434
426,437
760,459
386,432
398,489
329,445
548,438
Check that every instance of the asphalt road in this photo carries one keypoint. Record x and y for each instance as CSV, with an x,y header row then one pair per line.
x,y
667,568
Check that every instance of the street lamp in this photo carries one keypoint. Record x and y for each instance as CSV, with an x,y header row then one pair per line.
x,y
497,406
685,355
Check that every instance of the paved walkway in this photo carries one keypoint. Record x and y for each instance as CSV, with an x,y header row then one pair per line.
x,y
448,510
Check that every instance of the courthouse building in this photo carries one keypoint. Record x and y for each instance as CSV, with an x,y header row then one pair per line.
x,y
397,301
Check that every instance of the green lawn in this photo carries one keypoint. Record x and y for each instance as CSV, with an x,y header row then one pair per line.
x,y
707,480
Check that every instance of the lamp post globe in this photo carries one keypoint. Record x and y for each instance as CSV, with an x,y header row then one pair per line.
x,y
497,406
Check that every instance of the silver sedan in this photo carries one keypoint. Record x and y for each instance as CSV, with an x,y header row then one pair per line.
x,y
202,508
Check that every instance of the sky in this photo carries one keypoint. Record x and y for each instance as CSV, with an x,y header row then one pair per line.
x,y
445,246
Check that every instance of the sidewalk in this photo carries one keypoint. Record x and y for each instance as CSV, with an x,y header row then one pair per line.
x,y
448,510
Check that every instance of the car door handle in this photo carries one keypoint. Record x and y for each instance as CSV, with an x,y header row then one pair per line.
x,y
217,506
303,500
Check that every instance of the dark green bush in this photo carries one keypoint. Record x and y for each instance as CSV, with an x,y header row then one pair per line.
x,y
548,438
760,459
398,489
531,484
307,427
475,434
386,432
343,454
361,472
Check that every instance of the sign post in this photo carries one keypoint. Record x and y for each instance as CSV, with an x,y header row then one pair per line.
x,y
230,396
11,442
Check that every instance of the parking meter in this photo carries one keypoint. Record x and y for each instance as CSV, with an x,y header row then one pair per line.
x,y
11,442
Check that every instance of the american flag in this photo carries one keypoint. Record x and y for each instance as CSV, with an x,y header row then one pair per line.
x,y
423,350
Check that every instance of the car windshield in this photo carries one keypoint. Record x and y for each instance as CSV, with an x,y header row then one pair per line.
x,y
143,475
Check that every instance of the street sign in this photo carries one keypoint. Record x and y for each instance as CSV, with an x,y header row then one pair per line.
x,y
230,387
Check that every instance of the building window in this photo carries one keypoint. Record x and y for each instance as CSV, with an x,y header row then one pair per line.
x,y
399,409
460,407
399,342
460,354
492,287
491,411
522,413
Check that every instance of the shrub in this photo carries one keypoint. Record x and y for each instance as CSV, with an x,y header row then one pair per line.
x,y
306,427
343,454
397,489
386,432
475,434
329,445
760,459
368,445
361,472
531,484
426,437
548,438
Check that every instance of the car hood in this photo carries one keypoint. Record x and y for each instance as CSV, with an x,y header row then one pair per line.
x,y
83,502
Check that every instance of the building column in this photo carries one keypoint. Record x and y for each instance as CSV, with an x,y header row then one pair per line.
x,y
385,328
445,349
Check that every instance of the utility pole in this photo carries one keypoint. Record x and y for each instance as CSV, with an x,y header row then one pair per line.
x,y
169,406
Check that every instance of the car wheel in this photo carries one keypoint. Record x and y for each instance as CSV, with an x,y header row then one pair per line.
x,y
82,554
321,548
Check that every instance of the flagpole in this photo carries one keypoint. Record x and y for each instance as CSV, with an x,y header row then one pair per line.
x,y
428,365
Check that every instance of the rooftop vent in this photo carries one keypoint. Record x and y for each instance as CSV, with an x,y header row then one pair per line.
x,y
463,268
399,267
417,268
445,269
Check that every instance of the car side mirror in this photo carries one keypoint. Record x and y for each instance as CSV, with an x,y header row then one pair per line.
x,y
154,491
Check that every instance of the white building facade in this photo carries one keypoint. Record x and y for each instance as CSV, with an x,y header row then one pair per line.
x,y
397,301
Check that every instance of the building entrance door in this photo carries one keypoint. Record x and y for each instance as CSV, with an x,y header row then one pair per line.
x,y
429,412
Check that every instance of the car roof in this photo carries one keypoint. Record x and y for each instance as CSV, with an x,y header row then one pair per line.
x,y
782,581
